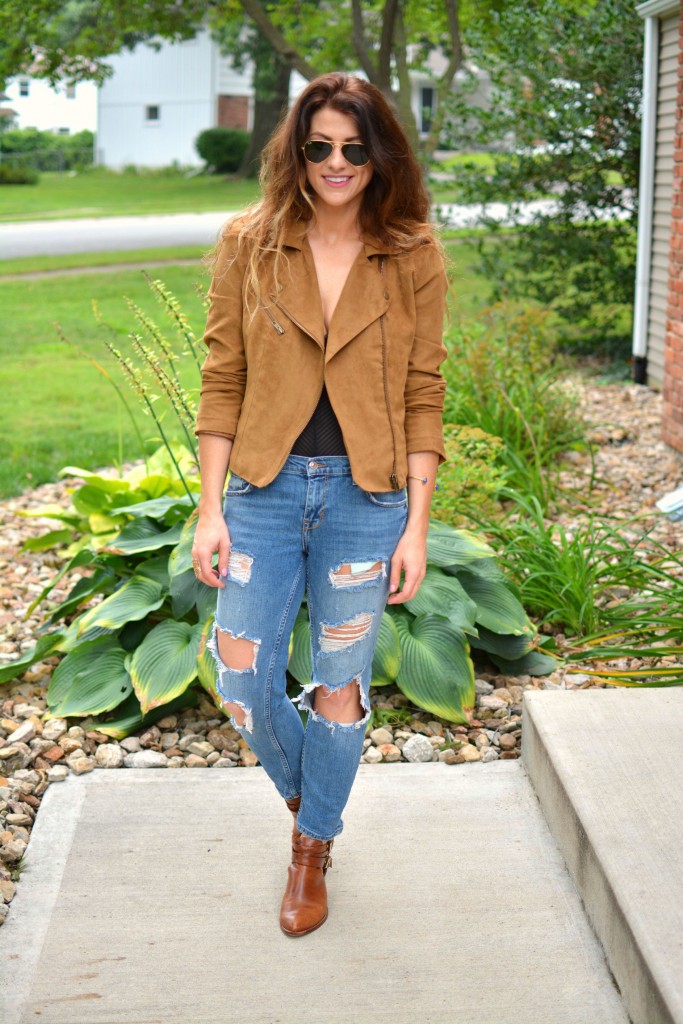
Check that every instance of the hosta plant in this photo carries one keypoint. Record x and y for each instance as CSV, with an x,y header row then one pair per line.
x,y
133,625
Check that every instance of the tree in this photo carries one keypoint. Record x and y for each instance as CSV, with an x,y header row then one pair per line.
x,y
385,38
565,120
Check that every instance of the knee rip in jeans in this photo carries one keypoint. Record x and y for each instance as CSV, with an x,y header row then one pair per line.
x,y
233,654
338,696
357,574
344,634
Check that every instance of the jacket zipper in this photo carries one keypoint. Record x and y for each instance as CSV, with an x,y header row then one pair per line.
x,y
295,322
276,324
394,475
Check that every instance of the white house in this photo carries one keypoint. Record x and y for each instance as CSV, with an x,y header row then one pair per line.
x,y
65,109
157,101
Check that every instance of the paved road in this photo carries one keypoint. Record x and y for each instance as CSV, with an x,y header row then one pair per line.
x,y
109,234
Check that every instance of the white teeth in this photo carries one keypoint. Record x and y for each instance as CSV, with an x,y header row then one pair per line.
x,y
329,178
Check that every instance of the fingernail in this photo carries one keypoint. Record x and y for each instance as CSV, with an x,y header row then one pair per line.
x,y
224,572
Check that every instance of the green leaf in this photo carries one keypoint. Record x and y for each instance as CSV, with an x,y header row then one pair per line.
x,y
534,663
180,559
130,717
436,670
497,607
155,568
48,540
206,666
507,645
88,499
100,582
103,483
44,646
165,663
91,679
444,595
300,663
135,599
79,559
157,508
387,658
186,590
144,535
448,546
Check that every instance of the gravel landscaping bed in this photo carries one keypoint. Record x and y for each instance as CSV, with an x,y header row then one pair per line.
x,y
633,468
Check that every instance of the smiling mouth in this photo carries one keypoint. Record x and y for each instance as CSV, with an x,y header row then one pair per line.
x,y
337,179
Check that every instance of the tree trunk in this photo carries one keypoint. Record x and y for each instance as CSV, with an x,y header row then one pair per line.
x,y
271,100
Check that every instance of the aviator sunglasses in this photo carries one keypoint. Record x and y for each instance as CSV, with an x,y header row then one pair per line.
x,y
355,152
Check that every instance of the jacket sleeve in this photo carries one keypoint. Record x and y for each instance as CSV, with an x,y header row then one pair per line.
x,y
425,386
224,371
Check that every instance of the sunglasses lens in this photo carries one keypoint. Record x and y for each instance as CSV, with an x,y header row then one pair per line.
x,y
355,154
316,152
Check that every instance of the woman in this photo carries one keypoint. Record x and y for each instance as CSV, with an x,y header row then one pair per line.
x,y
321,393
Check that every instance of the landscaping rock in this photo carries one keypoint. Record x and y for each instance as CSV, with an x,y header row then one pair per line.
x,y
145,759
109,755
417,749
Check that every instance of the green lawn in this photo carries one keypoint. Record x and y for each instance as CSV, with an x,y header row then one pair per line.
x,y
101,193
80,260
57,408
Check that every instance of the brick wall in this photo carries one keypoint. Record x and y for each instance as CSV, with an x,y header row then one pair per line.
x,y
672,392
233,112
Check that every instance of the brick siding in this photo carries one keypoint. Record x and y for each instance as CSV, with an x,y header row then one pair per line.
x,y
233,112
672,392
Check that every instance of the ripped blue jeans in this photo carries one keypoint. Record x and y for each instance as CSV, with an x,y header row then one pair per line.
x,y
311,529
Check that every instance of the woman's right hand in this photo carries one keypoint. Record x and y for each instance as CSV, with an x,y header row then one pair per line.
x,y
211,535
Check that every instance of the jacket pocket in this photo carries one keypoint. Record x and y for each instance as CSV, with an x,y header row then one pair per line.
x,y
388,499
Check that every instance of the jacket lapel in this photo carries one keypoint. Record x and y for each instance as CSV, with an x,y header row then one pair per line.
x,y
363,300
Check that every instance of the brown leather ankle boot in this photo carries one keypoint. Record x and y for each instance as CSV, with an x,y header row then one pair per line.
x,y
304,904
294,804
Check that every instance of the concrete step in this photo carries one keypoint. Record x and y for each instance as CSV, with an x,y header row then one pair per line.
x,y
152,897
607,767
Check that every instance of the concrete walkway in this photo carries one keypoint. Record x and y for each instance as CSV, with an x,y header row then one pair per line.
x,y
151,897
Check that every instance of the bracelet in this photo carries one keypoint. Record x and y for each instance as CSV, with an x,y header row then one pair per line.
x,y
423,480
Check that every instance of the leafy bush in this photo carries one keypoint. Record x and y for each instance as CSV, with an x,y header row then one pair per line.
x,y
471,477
615,591
564,113
127,543
222,148
501,376
47,151
17,175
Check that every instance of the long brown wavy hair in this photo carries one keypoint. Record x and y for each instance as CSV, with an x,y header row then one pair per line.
x,y
395,205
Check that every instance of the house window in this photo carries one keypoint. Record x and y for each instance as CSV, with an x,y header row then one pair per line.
x,y
426,107
63,131
70,91
153,113
23,86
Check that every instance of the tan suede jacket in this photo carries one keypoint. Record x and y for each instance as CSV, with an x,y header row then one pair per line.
x,y
262,377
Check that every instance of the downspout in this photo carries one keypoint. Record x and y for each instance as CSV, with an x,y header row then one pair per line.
x,y
645,199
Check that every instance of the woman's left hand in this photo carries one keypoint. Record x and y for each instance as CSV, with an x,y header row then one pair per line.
x,y
411,557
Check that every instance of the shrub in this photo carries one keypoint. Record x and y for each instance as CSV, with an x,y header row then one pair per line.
x,y
17,174
222,148
502,378
47,151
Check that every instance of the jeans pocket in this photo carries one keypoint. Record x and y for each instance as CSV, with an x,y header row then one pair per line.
x,y
388,499
238,485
